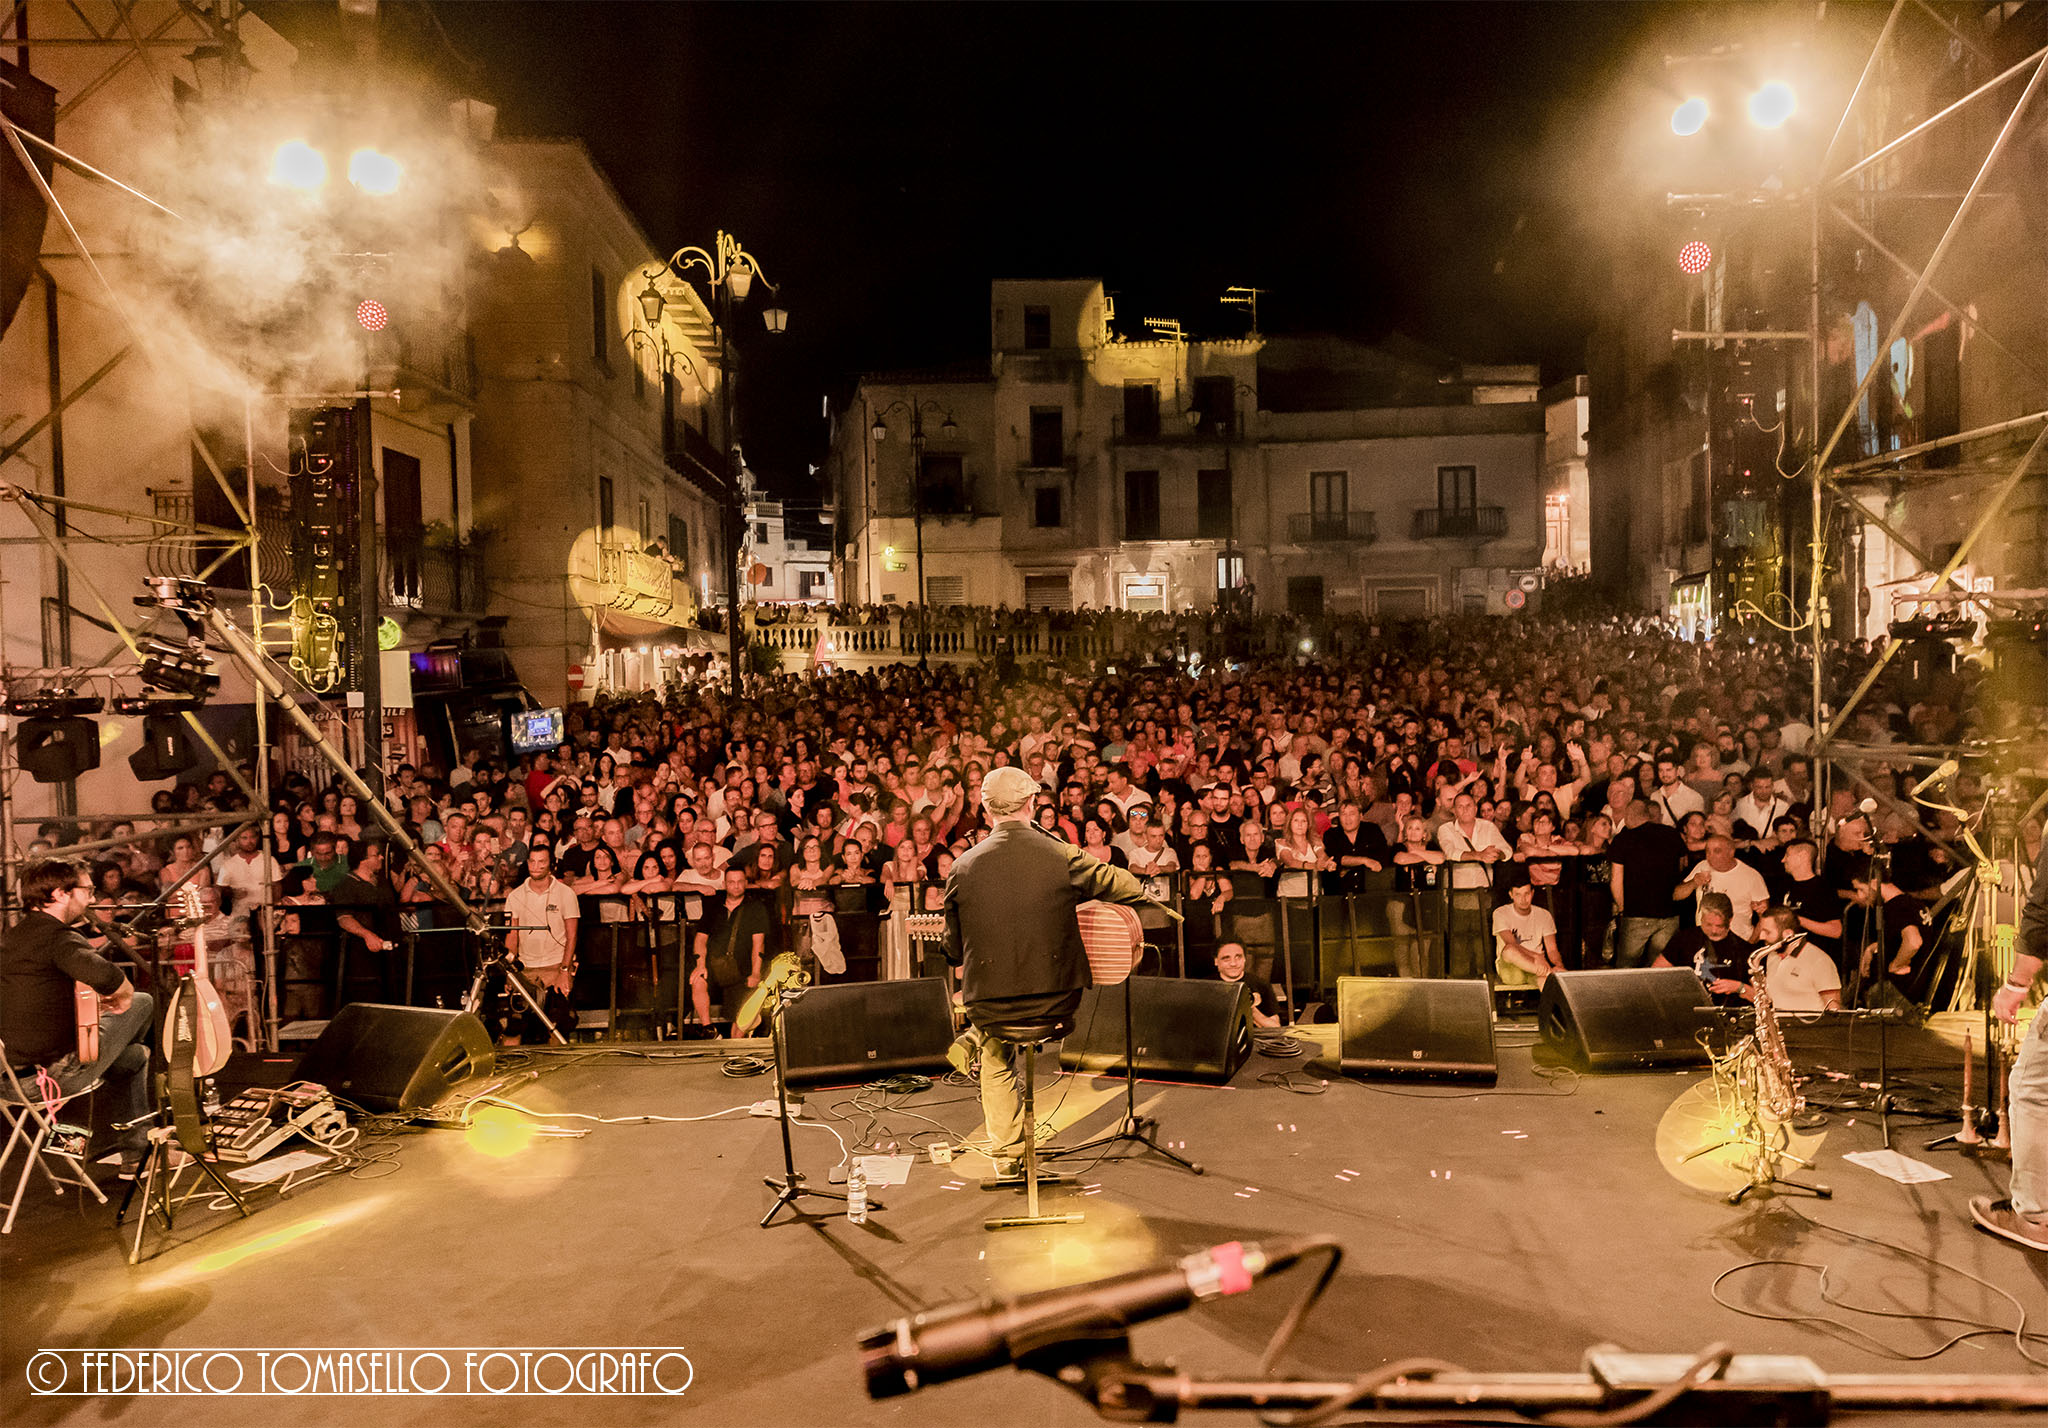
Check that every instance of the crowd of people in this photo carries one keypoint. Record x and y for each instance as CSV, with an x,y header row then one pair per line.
x,y
1517,796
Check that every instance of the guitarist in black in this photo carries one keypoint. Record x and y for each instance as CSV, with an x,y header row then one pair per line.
x,y
42,959
1010,922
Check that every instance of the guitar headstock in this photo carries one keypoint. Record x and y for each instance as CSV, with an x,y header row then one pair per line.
x,y
186,908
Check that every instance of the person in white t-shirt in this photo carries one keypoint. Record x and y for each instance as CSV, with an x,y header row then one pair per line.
x,y
245,870
1724,873
1525,939
1800,977
544,913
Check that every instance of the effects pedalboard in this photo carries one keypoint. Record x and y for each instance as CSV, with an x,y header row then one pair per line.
x,y
258,1121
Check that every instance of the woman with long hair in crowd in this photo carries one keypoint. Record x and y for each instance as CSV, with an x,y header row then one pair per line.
x,y
184,859
901,876
1300,855
1205,902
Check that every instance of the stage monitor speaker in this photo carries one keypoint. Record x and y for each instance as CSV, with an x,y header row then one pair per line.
x,y
1180,1030
1624,1018
386,1058
57,750
1393,1027
849,1033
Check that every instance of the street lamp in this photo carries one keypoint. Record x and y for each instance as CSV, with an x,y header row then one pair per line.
x,y
880,431
730,271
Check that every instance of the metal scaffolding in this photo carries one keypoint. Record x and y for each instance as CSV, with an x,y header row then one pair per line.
x,y
1978,453
47,513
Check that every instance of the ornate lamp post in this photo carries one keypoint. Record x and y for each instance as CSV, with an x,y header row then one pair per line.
x,y
880,432
730,271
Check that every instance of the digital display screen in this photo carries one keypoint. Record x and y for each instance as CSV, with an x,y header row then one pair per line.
x,y
533,730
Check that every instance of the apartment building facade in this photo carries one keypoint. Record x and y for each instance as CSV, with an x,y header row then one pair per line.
x,y
1083,468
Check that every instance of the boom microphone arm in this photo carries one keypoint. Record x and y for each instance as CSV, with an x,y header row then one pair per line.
x,y
970,1338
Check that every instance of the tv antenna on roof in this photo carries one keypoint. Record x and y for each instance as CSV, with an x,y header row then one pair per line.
x,y
1247,298
1166,327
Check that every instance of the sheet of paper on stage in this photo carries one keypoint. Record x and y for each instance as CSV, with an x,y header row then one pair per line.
x,y
277,1167
1894,1166
886,1169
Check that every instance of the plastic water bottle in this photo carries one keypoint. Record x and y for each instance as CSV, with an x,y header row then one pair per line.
x,y
857,1195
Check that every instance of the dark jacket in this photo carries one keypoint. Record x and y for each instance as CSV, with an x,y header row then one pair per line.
x,y
1010,912
2033,939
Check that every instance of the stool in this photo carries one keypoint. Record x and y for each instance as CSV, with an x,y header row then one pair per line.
x,y
1031,1035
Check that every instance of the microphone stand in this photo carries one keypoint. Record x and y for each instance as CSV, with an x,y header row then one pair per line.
x,y
1131,1128
789,1187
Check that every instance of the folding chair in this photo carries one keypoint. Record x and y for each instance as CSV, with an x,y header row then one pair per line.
x,y
32,1125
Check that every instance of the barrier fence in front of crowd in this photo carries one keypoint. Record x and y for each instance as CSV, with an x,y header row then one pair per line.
x,y
1301,930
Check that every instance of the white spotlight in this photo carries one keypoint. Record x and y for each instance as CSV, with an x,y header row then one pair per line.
x,y
1689,118
1772,105
373,172
299,165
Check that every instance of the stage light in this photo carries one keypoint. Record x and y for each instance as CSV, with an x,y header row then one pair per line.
x,y
56,704
1308,646
1772,105
56,750
498,1132
373,172
371,315
1695,258
299,165
166,749
1689,118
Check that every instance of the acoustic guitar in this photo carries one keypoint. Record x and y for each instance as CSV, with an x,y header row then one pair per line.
x,y
196,1013
85,1002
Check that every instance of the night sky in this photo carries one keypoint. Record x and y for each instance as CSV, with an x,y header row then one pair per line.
x,y
1374,167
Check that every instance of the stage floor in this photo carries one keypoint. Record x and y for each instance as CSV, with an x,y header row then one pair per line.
x,y
1500,1231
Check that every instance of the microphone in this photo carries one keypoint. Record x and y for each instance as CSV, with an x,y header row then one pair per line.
x,y
969,1338
1941,775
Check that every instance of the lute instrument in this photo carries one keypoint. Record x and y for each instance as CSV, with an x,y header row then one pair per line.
x,y
196,1013
1111,935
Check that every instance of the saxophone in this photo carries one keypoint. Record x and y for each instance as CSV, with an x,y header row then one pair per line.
x,y
1776,1087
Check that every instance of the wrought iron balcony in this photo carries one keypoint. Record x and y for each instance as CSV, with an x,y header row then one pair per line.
x,y
1460,523
1306,526
1174,429
434,580
179,549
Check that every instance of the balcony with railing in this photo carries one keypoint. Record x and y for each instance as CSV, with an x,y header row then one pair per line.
x,y
694,456
1169,428
432,580
415,575
1460,523
180,549
1358,527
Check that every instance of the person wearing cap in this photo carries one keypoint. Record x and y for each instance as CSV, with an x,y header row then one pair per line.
x,y
1010,926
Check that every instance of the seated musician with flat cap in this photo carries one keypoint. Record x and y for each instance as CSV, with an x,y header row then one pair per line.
x,y
1010,922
